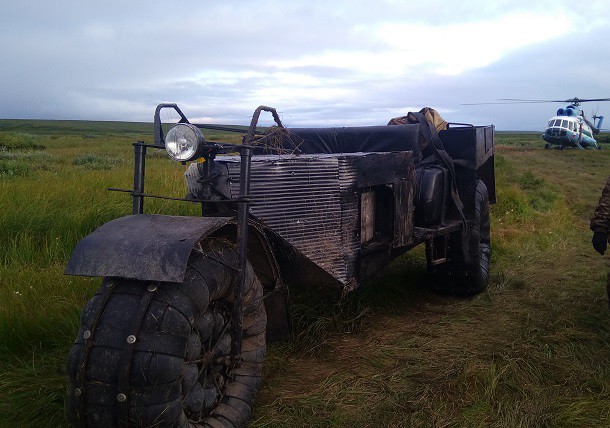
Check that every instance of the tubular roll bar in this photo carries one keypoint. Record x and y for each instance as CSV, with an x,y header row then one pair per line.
x,y
158,127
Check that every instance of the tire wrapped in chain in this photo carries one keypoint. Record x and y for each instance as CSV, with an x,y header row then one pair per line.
x,y
159,354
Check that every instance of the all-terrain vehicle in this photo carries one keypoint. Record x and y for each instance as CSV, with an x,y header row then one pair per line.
x,y
177,333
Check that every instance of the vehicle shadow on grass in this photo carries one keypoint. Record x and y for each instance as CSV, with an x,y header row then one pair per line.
x,y
320,313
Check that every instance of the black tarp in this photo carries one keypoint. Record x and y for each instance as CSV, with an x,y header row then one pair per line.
x,y
353,139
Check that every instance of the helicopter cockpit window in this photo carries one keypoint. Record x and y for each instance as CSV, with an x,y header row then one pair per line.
x,y
557,122
564,123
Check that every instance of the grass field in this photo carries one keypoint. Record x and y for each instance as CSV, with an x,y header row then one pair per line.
x,y
532,351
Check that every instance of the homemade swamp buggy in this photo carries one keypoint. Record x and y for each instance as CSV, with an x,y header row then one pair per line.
x,y
176,334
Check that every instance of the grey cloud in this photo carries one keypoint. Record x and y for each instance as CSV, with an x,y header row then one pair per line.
x,y
116,60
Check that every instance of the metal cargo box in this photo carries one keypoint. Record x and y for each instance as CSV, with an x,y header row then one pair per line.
x,y
314,203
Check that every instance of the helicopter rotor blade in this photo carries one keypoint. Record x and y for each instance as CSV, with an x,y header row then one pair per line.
x,y
593,99
526,101
570,100
520,100
514,101
505,102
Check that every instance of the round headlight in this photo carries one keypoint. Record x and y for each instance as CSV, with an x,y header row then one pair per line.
x,y
183,142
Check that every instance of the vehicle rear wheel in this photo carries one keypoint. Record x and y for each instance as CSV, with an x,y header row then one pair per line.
x,y
456,276
159,354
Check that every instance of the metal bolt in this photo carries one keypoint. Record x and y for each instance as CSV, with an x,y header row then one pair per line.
x,y
131,339
87,334
121,398
77,392
152,288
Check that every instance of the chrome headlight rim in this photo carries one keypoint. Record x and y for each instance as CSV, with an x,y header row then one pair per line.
x,y
184,142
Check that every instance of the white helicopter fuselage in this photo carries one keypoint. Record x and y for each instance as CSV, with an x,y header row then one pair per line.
x,y
569,131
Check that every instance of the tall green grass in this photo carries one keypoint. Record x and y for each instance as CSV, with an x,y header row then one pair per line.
x,y
46,210
532,351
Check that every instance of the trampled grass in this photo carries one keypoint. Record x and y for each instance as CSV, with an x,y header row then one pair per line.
x,y
532,351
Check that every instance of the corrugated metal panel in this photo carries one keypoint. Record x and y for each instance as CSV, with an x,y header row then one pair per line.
x,y
299,197
313,202
350,215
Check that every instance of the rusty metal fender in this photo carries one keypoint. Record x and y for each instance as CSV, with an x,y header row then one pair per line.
x,y
144,247
157,248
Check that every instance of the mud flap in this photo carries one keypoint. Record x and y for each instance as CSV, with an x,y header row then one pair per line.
x,y
144,247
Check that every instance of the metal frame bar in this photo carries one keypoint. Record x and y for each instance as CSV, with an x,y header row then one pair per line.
x,y
243,213
172,198
139,167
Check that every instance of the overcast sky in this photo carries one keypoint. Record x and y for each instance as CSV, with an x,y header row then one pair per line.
x,y
318,62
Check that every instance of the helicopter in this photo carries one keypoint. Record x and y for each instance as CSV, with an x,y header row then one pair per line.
x,y
569,128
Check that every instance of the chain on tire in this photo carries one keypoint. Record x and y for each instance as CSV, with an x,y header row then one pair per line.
x,y
158,354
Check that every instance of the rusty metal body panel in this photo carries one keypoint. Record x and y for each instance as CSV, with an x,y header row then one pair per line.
x,y
312,202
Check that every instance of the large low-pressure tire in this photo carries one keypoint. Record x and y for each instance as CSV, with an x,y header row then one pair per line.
x,y
158,354
460,277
